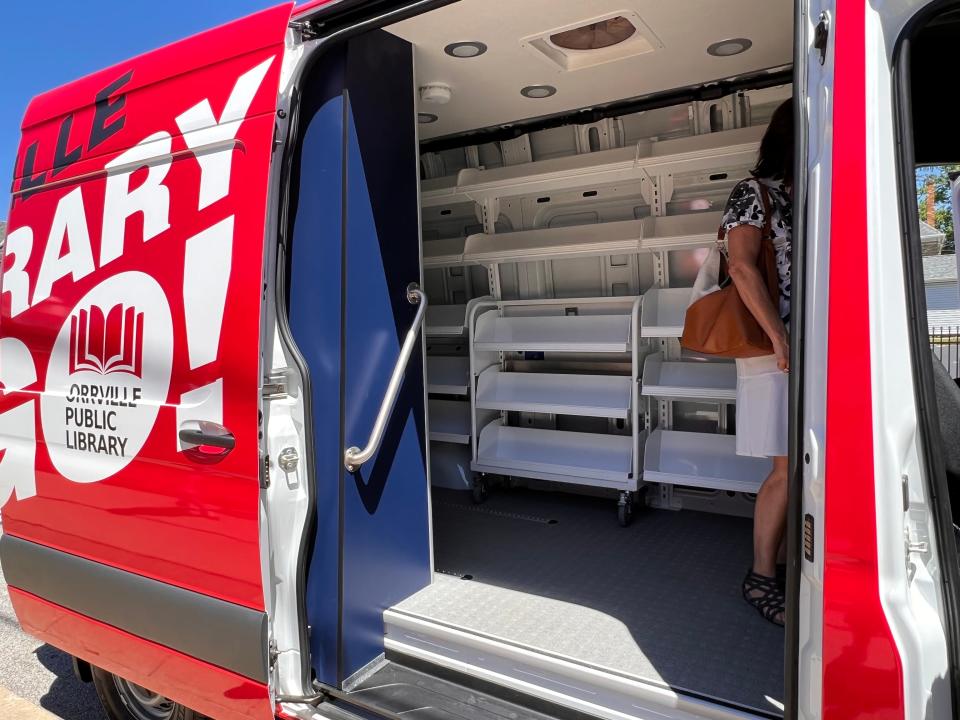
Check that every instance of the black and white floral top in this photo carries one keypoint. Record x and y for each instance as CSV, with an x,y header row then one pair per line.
x,y
745,207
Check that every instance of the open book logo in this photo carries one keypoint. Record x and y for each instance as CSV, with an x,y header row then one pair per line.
x,y
105,343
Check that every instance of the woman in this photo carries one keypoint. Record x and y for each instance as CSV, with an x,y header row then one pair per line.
x,y
762,382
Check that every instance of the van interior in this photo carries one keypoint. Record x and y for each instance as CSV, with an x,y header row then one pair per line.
x,y
589,520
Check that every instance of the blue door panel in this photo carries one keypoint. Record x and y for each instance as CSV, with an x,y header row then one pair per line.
x,y
386,538
355,248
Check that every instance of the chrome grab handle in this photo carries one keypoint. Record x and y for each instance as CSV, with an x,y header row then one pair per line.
x,y
354,457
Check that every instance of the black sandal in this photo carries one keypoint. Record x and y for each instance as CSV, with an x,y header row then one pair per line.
x,y
770,600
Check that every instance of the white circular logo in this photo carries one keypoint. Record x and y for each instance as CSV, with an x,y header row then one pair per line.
x,y
109,373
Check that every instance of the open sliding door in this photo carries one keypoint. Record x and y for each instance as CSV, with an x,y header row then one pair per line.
x,y
355,249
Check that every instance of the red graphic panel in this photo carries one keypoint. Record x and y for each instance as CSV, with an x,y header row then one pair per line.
x,y
131,303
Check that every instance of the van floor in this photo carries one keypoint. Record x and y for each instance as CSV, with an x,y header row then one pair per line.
x,y
658,601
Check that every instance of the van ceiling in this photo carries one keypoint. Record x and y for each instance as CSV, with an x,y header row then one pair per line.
x,y
667,51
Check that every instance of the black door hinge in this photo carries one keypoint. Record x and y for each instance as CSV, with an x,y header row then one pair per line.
x,y
821,35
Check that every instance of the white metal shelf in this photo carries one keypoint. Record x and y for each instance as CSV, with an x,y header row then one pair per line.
x,y
553,333
645,159
701,460
677,232
559,394
623,237
689,379
533,452
450,421
443,253
448,375
446,319
663,312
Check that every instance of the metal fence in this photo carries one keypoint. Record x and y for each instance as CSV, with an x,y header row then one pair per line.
x,y
945,344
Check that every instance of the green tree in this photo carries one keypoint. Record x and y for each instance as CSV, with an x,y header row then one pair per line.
x,y
940,175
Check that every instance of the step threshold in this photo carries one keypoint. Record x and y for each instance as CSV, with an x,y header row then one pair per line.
x,y
577,687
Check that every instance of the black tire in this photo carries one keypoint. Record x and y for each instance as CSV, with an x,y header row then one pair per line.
x,y
121,704
624,514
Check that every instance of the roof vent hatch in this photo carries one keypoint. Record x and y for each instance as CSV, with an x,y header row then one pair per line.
x,y
596,41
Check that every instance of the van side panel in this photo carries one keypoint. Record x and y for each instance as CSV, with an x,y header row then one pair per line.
x,y
206,688
130,312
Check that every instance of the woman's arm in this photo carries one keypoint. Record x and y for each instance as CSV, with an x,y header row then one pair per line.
x,y
743,243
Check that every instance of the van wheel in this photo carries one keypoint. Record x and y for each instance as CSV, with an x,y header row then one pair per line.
x,y
124,700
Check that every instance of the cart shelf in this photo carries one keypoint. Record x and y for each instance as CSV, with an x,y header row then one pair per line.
x,y
553,333
560,394
533,452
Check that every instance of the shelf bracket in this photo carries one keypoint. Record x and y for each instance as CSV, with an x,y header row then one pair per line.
x,y
665,187
648,190
489,212
493,280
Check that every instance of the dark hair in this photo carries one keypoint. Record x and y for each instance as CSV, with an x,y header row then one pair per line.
x,y
776,148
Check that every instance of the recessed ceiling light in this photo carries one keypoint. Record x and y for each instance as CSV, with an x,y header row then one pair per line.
x,y
424,118
538,91
465,49
726,48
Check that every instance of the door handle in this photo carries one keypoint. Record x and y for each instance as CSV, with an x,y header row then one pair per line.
x,y
204,441
354,457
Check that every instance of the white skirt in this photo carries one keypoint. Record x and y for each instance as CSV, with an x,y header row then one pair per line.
x,y
762,403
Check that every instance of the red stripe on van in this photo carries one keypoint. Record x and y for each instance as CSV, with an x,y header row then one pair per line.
x,y
862,673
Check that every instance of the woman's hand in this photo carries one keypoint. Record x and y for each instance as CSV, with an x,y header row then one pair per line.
x,y
781,348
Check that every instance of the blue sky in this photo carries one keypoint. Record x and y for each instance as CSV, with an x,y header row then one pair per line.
x,y
47,43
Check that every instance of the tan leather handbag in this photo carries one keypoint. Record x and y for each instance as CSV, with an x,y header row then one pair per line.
x,y
719,323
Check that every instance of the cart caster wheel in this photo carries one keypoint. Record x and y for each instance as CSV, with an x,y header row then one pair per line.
x,y
479,492
625,510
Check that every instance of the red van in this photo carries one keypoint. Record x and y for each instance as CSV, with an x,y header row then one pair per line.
x,y
340,374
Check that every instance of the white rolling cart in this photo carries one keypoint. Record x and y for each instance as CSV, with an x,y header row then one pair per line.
x,y
559,331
